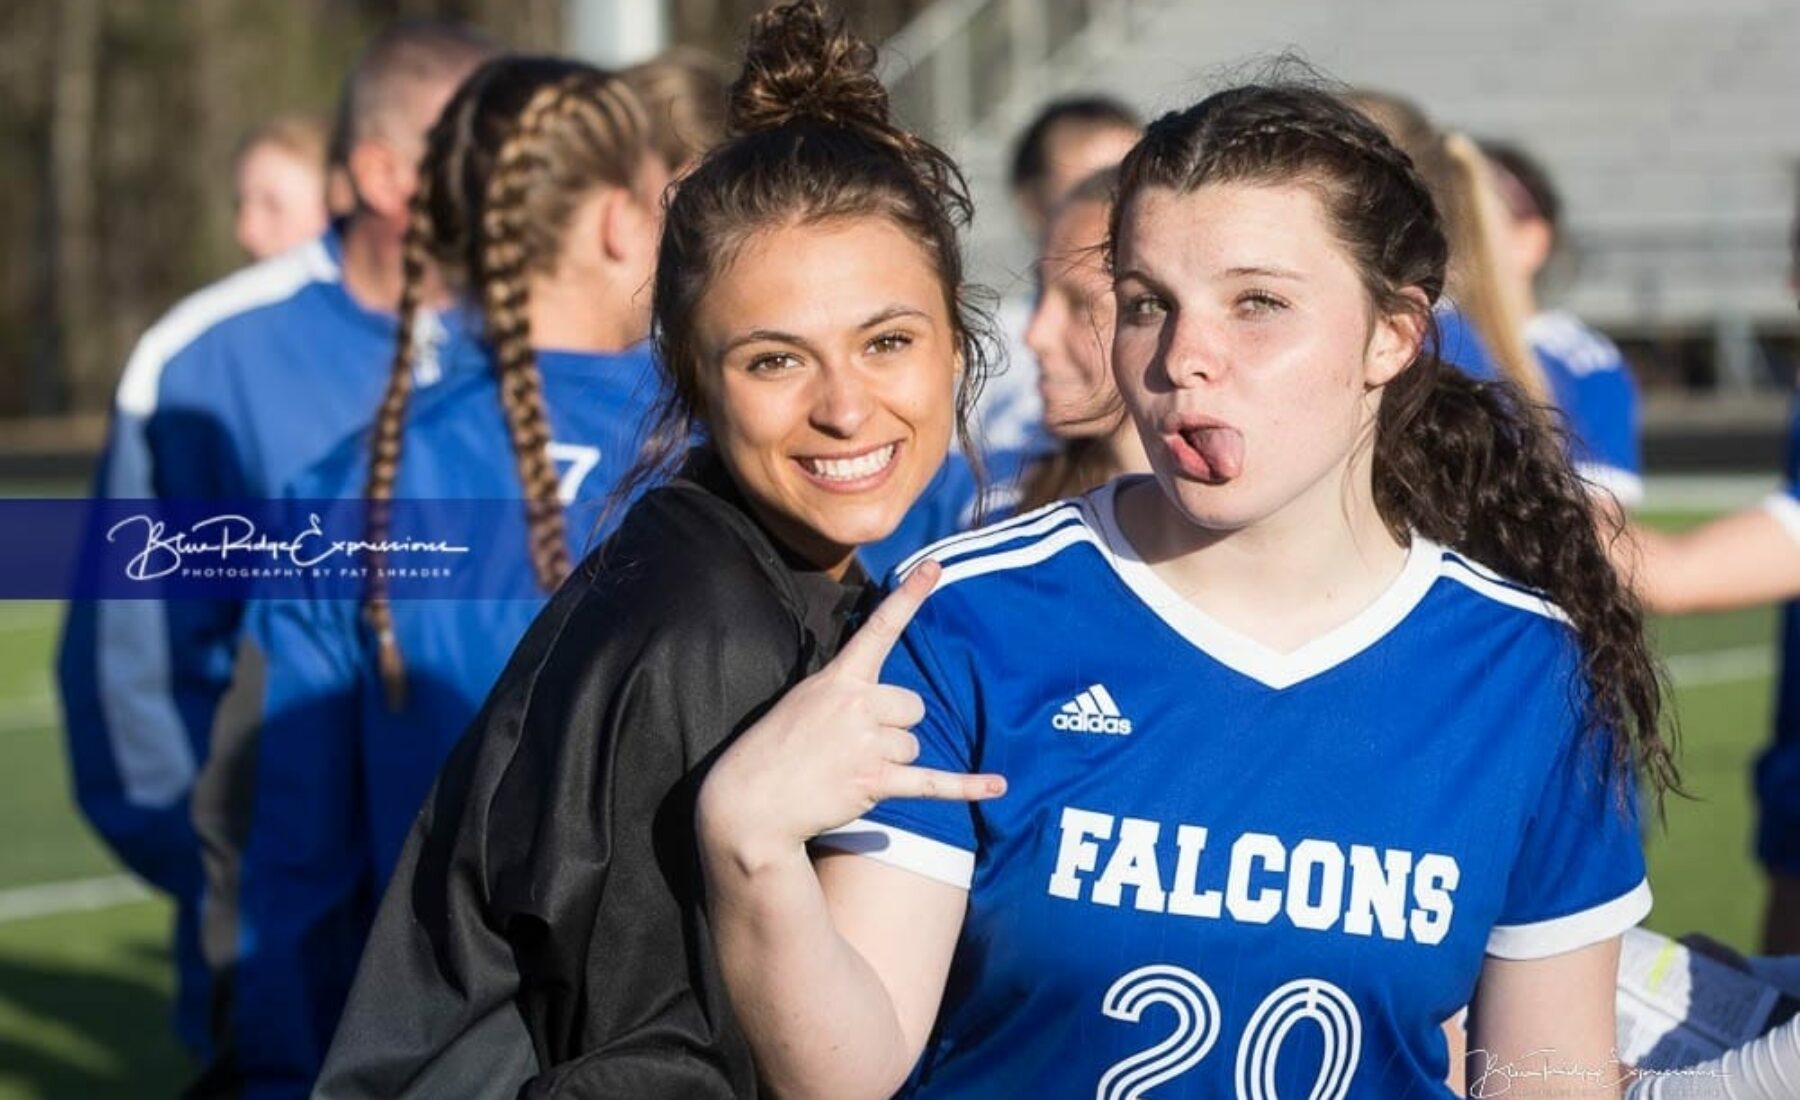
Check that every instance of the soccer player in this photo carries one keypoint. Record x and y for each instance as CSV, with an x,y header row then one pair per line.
x,y
1068,141
279,176
540,197
230,395
543,934
1239,779
1071,335
1587,376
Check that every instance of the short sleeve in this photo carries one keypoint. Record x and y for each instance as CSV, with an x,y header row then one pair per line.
x,y
926,836
1607,451
1579,876
1785,507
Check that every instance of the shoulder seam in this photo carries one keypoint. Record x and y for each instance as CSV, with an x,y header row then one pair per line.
x,y
264,284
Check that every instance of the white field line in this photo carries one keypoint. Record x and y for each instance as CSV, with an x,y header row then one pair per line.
x,y
1719,666
78,896
1722,666
28,713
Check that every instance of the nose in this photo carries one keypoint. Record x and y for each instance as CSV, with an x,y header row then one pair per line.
x,y
843,402
1040,334
1190,355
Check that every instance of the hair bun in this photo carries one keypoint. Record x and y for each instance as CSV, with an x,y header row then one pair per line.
x,y
802,63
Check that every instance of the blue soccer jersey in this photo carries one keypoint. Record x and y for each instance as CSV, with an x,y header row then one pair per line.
x,y
1220,870
338,774
232,393
1598,396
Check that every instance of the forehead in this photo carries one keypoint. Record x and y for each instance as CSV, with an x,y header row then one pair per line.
x,y
1074,245
810,278
1221,226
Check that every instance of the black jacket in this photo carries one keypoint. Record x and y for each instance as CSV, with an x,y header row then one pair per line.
x,y
544,934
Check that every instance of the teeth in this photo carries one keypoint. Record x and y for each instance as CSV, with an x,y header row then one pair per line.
x,y
851,469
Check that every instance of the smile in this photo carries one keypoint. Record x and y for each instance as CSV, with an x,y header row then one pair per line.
x,y
850,472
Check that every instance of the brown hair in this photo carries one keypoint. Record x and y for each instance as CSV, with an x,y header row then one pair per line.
x,y
811,140
1457,174
683,91
1455,460
523,141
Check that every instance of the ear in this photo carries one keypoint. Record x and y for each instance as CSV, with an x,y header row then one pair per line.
x,y
381,182
1396,341
1535,241
620,223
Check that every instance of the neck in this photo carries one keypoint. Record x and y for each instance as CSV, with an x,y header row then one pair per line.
x,y
1285,579
569,314
372,272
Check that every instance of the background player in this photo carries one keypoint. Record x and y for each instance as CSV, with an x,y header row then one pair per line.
x,y
1587,375
280,186
1188,683
1071,335
1066,142
230,395
540,198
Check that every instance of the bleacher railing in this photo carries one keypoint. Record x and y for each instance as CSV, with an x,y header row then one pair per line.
x,y
963,64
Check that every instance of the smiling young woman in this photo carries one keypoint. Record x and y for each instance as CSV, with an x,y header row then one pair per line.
x,y
1318,733
544,934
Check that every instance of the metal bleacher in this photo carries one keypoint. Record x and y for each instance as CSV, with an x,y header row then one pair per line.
x,y
1670,125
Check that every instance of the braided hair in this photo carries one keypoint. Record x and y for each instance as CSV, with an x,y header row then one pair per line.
x,y
810,139
516,150
1463,463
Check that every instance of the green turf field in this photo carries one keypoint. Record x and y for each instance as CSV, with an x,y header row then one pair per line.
x,y
84,992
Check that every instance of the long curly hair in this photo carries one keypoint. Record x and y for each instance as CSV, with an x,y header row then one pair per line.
x,y
1463,463
517,148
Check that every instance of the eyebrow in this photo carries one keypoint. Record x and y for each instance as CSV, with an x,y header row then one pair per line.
x,y
1269,272
760,335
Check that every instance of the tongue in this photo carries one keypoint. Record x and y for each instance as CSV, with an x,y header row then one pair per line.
x,y
1221,451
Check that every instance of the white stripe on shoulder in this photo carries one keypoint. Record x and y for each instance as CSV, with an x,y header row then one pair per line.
x,y
1481,579
1031,524
1031,553
273,280
1544,938
900,848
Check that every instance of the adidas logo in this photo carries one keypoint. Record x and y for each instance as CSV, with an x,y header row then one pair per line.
x,y
1093,711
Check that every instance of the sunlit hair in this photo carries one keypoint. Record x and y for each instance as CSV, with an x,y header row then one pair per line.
x,y
1453,167
520,145
1457,461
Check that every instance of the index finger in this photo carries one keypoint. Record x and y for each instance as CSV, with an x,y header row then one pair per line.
x,y
866,651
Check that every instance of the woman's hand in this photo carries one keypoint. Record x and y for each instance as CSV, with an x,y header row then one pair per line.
x,y
832,748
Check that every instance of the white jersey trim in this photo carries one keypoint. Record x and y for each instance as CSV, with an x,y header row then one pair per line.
x,y
274,280
1544,938
908,851
1495,587
1624,486
1786,511
1243,654
1032,523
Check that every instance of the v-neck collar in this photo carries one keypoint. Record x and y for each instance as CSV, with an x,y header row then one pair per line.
x,y
1239,652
